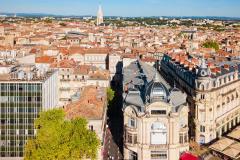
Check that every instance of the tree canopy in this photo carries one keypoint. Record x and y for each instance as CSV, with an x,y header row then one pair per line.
x,y
110,94
211,44
60,139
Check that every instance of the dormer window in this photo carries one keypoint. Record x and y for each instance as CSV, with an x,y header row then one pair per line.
x,y
132,122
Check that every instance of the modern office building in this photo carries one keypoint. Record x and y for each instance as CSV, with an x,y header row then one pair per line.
x,y
213,93
25,91
155,115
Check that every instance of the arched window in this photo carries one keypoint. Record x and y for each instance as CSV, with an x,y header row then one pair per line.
x,y
232,97
202,139
211,137
201,86
214,84
228,99
225,80
158,133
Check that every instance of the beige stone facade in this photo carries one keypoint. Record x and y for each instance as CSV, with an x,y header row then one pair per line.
x,y
213,98
155,116
171,132
217,106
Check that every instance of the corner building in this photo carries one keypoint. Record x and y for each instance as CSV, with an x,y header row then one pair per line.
x,y
155,115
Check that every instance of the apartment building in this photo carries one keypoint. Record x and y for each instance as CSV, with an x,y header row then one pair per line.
x,y
25,91
213,93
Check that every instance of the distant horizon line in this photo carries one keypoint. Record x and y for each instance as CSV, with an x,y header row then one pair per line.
x,y
82,15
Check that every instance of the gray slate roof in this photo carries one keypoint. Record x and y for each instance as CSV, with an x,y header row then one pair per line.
x,y
145,85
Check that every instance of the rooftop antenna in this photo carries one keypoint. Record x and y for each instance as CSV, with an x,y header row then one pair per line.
x,y
156,76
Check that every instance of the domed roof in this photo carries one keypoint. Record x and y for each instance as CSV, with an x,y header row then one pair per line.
x,y
156,91
203,70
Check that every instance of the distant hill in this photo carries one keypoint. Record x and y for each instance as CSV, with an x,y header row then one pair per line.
x,y
81,16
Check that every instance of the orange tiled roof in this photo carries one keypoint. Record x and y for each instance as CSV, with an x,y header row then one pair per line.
x,y
97,50
44,59
90,106
66,63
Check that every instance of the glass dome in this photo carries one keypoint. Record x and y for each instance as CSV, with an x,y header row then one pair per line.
x,y
156,92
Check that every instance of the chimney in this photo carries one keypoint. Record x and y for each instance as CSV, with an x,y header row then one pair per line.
x,y
125,88
191,67
214,70
218,70
226,66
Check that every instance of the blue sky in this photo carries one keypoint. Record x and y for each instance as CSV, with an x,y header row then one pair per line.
x,y
126,7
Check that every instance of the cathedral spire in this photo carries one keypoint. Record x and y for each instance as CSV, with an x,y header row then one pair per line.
x,y
100,15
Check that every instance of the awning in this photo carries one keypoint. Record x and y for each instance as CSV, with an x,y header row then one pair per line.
x,y
188,156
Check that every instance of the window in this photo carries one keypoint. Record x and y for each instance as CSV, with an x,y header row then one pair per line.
x,y
214,84
228,99
202,96
133,155
90,127
181,138
157,112
135,139
202,129
158,155
223,130
158,133
202,139
20,88
225,79
129,138
132,122
185,138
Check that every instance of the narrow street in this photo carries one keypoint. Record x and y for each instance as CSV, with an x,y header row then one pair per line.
x,y
114,134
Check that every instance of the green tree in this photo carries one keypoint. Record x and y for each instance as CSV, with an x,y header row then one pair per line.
x,y
110,94
211,44
60,139
63,24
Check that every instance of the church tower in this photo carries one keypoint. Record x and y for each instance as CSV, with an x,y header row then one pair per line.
x,y
100,15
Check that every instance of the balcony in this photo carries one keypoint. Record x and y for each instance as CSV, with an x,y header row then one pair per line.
x,y
65,80
65,89
65,99
158,146
79,80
